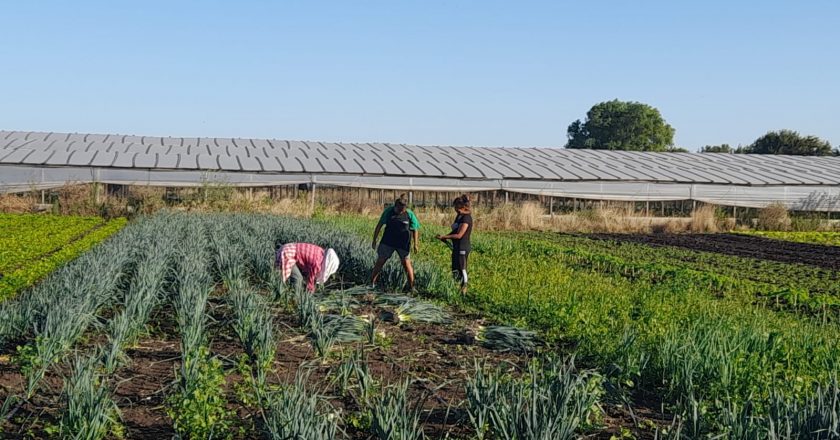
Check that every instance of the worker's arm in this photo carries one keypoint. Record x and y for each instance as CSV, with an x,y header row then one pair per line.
x,y
382,220
376,235
416,237
310,280
457,235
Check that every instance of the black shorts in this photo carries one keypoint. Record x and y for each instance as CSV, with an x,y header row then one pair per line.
x,y
459,265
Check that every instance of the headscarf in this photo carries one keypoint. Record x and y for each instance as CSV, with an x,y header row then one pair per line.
x,y
328,267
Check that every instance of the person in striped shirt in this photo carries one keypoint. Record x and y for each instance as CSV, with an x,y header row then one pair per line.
x,y
306,260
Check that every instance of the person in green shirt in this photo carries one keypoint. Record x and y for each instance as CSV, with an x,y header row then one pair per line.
x,y
401,229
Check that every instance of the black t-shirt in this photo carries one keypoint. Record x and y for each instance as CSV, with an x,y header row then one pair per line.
x,y
463,243
398,231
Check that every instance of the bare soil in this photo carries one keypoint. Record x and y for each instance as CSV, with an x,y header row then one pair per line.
x,y
827,257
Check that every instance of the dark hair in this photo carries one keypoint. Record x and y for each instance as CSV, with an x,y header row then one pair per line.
x,y
401,201
462,202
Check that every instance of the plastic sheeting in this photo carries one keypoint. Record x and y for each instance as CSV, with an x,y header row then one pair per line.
x,y
796,197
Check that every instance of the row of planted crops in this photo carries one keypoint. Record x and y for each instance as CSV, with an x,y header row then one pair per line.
x,y
687,346
208,278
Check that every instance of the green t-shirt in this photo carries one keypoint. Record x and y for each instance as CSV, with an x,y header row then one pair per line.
x,y
414,224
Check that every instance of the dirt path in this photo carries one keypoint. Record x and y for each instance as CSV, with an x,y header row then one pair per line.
x,y
827,257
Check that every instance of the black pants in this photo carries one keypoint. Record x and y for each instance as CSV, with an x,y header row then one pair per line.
x,y
459,265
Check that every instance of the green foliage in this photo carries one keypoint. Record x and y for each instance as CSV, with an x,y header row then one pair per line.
x,y
621,125
789,142
199,409
295,412
255,327
90,412
32,254
552,401
395,417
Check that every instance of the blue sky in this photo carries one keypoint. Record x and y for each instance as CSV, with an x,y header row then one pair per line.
x,y
427,72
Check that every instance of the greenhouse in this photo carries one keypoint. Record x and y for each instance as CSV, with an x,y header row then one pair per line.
x,y
38,161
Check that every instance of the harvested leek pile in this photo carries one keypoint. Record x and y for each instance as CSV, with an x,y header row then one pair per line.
x,y
504,338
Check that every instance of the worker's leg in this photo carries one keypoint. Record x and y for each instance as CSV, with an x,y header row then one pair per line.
x,y
463,259
383,252
409,269
296,279
455,266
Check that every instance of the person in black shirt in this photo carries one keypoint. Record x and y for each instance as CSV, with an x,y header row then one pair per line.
x,y
460,236
401,229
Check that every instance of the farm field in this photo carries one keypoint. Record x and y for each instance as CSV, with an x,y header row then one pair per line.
x,y
823,238
177,325
33,245
722,342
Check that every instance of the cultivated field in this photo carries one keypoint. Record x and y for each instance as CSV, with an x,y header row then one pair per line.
x,y
31,246
177,325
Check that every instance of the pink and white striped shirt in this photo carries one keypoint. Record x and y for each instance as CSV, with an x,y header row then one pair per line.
x,y
309,258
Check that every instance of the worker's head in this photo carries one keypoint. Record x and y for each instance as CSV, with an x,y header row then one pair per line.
x,y
329,266
462,204
400,204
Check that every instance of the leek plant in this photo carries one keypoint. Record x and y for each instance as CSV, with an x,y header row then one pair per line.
x,y
551,402
198,405
255,328
395,417
420,311
90,412
295,412
504,338
144,294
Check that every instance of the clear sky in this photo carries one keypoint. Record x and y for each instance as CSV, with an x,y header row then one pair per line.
x,y
494,73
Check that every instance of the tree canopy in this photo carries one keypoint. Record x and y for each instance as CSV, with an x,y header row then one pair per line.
x,y
789,142
621,125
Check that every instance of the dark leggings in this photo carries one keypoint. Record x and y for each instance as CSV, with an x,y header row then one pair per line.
x,y
459,266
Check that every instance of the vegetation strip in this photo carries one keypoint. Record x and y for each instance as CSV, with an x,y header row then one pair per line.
x,y
32,271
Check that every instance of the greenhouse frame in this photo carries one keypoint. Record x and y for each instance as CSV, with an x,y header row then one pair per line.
x,y
40,160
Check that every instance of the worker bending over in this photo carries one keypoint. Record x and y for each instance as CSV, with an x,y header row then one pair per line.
x,y
306,260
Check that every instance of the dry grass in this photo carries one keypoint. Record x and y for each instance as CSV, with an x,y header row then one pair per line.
x,y
15,204
525,216
774,218
704,219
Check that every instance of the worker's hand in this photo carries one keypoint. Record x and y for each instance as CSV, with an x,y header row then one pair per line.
x,y
416,247
440,237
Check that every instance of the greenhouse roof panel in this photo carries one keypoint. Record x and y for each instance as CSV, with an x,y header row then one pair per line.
x,y
412,161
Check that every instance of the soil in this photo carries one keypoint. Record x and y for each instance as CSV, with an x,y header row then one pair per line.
x,y
436,359
827,257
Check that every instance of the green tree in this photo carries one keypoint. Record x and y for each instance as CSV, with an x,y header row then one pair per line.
x,y
722,148
789,142
621,125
